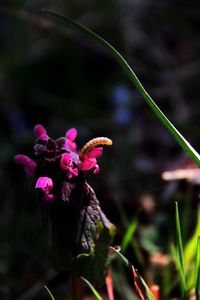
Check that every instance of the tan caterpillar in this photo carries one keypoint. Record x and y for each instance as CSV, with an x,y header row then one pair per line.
x,y
92,144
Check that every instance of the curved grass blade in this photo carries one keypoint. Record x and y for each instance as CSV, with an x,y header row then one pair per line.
x,y
132,76
128,235
50,294
139,282
197,271
96,294
122,257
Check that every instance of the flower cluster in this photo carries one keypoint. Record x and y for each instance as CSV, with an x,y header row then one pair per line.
x,y
61,158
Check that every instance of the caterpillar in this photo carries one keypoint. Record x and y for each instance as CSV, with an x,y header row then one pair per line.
x,y
92,144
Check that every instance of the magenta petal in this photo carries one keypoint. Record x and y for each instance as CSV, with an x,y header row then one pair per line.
x,y
95,152
70,146
40,132
71,134
66,161
49,197
44,183
21,159
97,169
87,164
75,172
28,163
30,168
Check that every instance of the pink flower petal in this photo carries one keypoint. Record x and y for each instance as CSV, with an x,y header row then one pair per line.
x,y
67,164
95,152
21,159
40,132
97,169
87,164
44,183
49,197
28,163
66,161
74,171
30,168
71,134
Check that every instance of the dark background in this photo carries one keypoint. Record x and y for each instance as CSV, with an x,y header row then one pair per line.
x,y
59,78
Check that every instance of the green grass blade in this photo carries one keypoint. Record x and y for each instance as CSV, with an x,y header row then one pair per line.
x,y
151,297
176,259
132,76
128,235
50,294
179,238
96,294
197,271
180,262
122,257
190,247
128,264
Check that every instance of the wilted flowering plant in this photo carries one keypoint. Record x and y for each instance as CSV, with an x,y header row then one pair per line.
x,y
69,206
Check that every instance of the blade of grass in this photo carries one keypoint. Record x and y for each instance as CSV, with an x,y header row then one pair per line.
x,y
179,238
128,235
50,294
96,294
176,258
189,249
151,297
197,271
132,76
131,267
180,264
122,257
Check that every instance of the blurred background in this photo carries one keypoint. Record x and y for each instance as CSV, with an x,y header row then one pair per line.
x,y
59,78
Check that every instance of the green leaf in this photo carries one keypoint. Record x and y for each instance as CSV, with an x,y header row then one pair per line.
x,y
96,294
50,294
94,265
132,76
128,235
73,224
197,270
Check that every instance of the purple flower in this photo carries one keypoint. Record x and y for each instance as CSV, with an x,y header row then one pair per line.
x,y
90,162
46,184
59,162
68,165
28,164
